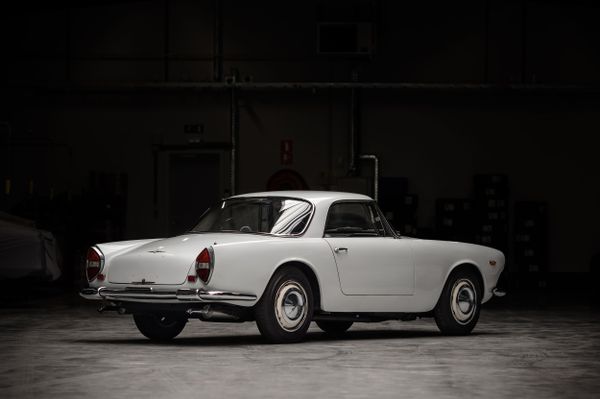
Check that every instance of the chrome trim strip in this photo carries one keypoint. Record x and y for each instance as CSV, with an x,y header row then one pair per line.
x,y
184,294
187,294
225,296
132,293
198,295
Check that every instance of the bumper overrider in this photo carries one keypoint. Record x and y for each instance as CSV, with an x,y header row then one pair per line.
x,y
149,294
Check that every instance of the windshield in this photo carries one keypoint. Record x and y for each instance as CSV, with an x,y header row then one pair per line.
x,y
268,215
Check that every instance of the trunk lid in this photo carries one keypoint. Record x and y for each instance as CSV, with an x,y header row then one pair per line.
x,y
167,261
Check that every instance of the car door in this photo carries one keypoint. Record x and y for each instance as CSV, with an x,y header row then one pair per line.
x,y
369,258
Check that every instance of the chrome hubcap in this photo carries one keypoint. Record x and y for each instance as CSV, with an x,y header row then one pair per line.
x,y
290,306
463,301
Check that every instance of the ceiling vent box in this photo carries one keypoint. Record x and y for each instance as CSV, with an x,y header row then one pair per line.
x,y
345,38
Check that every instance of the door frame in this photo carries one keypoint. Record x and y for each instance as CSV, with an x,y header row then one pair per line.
x,y
162,184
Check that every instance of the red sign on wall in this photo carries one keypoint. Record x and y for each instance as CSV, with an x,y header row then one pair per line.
x,y
287,152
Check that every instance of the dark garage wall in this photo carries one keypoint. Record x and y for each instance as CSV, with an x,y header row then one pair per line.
x,y
116,134
543,142
545,148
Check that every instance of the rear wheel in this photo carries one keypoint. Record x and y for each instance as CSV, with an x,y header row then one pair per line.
x,y
159,327
458,308
285,310
334,327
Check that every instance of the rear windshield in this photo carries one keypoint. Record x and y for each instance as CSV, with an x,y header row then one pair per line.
x,y
271,215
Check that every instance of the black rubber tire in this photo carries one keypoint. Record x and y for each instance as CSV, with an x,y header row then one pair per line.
x,y
334,327
447,322
265,314
157,327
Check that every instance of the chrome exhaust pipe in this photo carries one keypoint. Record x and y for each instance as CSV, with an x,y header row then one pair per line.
x,y
109,307
209,314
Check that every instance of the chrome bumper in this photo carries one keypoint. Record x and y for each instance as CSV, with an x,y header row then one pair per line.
x,y
149,294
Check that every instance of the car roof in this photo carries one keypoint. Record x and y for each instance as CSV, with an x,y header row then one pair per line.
x,y
321,200
310,195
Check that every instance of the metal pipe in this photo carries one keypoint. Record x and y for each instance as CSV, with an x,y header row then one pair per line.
x,y
486,40
234,118
353,139
375,173
68,49
166,39
433,87
209,314
524,77
218,43
155,182
108,306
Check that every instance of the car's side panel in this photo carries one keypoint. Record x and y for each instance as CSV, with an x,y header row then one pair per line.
x,y
248,267
435,261
374,265
429,275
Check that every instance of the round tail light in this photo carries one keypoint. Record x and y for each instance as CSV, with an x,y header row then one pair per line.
x,y
204,264
93,264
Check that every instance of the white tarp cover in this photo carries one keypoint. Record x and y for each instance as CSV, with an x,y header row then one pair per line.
x,y
27,251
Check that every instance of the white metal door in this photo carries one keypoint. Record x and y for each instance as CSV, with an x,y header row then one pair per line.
x,y
374,265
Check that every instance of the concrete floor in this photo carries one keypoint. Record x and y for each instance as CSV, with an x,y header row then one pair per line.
x,y
66,349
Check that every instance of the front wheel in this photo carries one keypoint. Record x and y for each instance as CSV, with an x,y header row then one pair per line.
x,y
159,327
458,308
285,310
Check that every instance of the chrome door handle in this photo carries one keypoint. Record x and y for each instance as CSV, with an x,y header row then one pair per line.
x,y
340,249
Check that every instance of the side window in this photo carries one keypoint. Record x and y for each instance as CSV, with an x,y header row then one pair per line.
x,y
352,219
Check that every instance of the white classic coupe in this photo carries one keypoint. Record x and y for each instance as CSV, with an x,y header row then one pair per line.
x,y
287,258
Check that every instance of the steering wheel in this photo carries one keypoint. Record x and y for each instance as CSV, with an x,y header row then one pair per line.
x,y
245,229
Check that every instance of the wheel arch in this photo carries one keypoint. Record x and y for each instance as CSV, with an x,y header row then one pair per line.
x,y
467,266
310,274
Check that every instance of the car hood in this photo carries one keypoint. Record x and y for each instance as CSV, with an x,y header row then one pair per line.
x,y
169,260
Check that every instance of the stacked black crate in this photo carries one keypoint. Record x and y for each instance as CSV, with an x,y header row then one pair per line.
x,y
405,215
455,219
491,210
398,206
531,244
